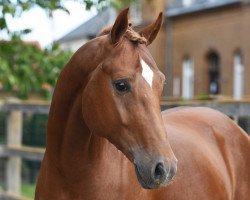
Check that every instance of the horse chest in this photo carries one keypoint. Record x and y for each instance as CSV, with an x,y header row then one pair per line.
x,y
110,182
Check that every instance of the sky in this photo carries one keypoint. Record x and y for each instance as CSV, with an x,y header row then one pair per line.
x,y
46,30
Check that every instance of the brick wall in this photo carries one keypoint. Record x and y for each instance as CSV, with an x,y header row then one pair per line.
x,y
224,31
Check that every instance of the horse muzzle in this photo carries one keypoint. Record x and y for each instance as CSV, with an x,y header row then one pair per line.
x,y
156,173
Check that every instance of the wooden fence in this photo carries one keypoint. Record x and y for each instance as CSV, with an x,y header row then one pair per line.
x,y
14,151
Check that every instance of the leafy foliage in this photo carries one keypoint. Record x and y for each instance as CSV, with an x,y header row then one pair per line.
x,y
99,4
16,7
26,68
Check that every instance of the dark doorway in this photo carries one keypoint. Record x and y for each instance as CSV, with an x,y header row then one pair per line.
x,y
214,73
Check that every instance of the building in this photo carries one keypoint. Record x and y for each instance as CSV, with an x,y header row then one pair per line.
x,y
88,30
209,48
203,47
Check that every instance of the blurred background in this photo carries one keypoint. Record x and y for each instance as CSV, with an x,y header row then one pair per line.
x,y
203,48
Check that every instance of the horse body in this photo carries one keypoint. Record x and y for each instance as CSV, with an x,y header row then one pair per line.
x,y
205,170
106,137
213,154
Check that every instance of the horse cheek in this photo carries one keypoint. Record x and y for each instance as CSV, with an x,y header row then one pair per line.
x,y
96,113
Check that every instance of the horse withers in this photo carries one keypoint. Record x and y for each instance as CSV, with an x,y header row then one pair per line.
x,y
108,140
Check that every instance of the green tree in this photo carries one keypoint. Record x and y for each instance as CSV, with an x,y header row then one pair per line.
x,y
16,7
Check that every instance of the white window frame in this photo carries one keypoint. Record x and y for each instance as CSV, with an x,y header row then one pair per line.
x,y
238,86
187,79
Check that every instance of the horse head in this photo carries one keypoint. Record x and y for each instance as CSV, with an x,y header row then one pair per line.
x,y
121,100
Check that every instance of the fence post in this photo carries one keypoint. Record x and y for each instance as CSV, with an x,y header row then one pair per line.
x,y
14,138
236,119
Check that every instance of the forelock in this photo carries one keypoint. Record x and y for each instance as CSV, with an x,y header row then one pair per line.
x,y
134,36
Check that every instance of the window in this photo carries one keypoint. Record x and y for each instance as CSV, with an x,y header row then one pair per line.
x,y
238,76
214,73
176,86
187,79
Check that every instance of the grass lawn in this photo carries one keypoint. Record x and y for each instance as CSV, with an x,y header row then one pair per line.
x,y
28,190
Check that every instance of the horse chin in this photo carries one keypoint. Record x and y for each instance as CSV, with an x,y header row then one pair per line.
x,y
141,181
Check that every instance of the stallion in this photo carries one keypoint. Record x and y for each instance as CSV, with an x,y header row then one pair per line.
x,y
108,140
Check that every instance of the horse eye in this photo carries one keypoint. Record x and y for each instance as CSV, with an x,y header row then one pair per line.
x,y
122,86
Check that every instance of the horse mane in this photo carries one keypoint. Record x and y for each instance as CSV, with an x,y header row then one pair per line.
x,y
130,34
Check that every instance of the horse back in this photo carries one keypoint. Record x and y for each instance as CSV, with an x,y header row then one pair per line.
x,y
213,154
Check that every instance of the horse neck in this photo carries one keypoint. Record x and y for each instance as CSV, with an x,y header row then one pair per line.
x,y
68,138
71,82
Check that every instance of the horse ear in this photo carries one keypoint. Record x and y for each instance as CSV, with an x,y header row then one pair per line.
x,y
120,26
150,32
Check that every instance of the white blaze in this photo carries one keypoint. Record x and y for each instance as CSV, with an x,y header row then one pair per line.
x,y
147,73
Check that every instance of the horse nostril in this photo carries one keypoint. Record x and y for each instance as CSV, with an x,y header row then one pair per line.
x,y
159,172
172,172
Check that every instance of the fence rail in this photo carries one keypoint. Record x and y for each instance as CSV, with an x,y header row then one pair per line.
x,y
10,196
14,151
24,152
229,107
9,105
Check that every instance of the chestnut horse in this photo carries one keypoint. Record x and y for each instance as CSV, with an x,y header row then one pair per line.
x,y
108,140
